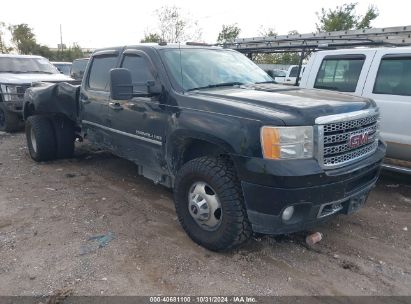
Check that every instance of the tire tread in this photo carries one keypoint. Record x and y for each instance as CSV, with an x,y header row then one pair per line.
x,y
222,174
45,138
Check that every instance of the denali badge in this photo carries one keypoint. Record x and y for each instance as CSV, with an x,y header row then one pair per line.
x,y
357,140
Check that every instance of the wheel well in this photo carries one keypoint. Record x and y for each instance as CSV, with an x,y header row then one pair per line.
x,y
193,148
28,110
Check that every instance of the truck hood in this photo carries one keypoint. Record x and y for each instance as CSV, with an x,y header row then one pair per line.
x,y
29,78
294,106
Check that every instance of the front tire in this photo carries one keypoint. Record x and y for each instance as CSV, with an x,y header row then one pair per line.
x,y
210,204
41,140
9,121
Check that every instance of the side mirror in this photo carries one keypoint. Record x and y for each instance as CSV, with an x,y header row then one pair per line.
x,y
121,86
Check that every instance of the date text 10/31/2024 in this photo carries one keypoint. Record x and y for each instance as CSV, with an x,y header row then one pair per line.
x,y
203,299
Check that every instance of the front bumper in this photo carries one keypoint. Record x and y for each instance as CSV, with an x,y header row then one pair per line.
x,y
270,186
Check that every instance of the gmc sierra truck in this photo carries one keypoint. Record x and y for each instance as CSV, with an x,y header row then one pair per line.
x,y
241,153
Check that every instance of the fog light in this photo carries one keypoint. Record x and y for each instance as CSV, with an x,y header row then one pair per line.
x,y
287,213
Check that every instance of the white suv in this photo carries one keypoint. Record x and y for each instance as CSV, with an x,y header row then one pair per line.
x,y
383,74
17,73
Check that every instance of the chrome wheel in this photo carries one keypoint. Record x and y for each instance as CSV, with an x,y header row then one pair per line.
x,y
33,140
204,206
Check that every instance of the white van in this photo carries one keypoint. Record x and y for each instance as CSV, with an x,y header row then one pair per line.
x,y
383,74
291,75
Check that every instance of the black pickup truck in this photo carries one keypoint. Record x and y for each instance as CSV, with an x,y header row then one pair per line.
x,y
241,153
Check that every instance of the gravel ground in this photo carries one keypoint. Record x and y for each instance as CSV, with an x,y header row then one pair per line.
x,y
50,212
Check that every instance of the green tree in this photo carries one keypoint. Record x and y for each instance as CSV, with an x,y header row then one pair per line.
x,y
174,27
151,37
23,38
345,18
228,33
76,52
69,54
4,49
44,51
268,58
276,58
371,14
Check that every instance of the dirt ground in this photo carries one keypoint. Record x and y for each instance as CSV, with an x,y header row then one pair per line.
x,y
50,212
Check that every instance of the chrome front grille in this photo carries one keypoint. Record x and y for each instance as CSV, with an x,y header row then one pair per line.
x,y
21,90
350,125
342,137
351,156
346,138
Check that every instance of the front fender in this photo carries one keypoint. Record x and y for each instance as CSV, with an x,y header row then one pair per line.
x,y
48,98
233,135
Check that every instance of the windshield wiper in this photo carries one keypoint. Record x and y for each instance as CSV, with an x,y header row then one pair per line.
x,y
224,84
15,72
269,81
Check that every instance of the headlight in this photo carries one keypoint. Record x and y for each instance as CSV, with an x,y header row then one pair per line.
x,y
287,142
12,92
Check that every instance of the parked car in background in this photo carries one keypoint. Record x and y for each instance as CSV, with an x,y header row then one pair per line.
x,y
17,73
383,74
278,75
78,67
63,67
242,154
292,72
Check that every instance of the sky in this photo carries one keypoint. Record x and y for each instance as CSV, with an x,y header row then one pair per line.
x,y
94,24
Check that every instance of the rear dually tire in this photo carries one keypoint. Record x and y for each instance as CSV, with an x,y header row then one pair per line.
x,y
41,140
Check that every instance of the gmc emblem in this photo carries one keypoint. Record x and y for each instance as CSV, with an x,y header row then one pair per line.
x,y
357,140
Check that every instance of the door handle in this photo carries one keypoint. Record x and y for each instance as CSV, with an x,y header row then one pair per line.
x,y
84,99
116,106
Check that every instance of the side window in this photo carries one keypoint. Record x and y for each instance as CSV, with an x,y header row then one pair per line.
x,y
294,71
339,73
394,76
140,71
99,73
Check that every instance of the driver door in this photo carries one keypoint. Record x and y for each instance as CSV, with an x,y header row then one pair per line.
x,y
140,121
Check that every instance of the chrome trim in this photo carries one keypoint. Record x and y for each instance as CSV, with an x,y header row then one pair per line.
x,y
153,141
353,160
397,169
360,192
319,138
346,116
334,210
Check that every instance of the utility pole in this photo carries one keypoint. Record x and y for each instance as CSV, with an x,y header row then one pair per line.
x,y
61,41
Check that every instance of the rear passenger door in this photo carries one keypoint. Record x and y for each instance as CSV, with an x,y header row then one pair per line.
x,y
95,96
389,84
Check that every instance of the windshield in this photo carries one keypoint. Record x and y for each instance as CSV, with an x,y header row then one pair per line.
x,y
26,65
79,65
63,67
278,73
201,68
